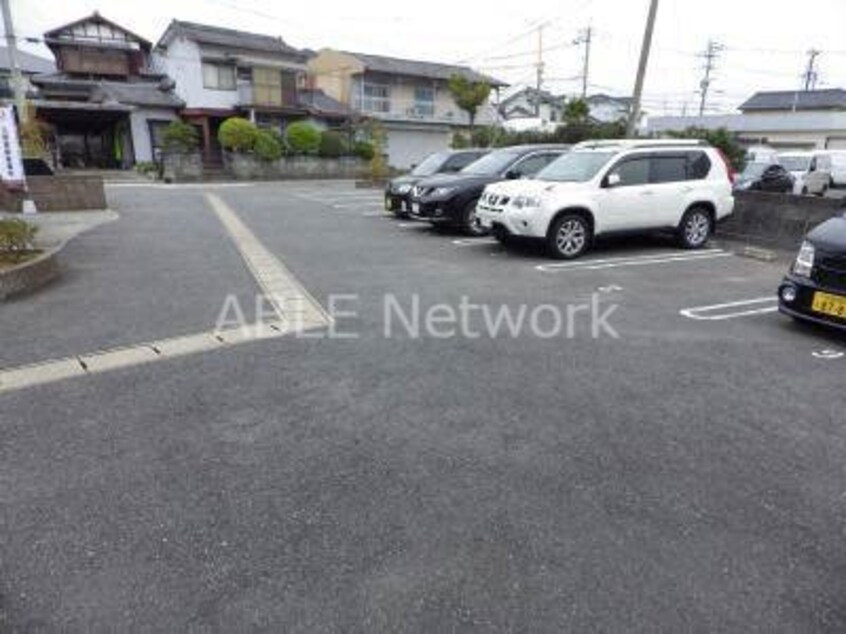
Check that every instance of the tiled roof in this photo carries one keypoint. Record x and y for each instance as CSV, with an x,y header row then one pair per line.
x,y
220,36
414,68
30,63
830,99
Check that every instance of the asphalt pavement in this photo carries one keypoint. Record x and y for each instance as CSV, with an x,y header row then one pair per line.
x,y
687,475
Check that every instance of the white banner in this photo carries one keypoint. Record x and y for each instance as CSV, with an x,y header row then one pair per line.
x,y
11,163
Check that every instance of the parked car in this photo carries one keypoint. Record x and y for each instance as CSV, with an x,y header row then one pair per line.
x,y
838,167
607,187
815,287
765,177
761,154
810,170
398,191
451,199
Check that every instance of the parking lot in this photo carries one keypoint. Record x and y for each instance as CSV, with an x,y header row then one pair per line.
x,y
686,469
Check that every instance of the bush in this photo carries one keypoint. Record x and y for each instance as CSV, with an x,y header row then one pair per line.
x,y
34,136
721,139
16,236
237,134
268,145
302,137
459,141
179,136
483,137
146,167
364,150
332,144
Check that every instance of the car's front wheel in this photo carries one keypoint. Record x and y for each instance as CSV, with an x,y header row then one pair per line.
x,y
470,223
696,228
569,237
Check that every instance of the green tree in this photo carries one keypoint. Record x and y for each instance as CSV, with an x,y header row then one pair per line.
x,y
576,112
303,137
179,136
468,95
268,145
721,139
332,144
237,134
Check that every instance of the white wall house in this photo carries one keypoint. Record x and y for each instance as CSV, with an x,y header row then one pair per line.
x,y
783,120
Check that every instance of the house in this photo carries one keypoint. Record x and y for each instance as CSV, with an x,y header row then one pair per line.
x,y
531,103
30,65
608,109
221,73
802,120
104,104
409,98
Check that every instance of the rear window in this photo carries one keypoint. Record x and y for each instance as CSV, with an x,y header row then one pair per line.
x,y
699,166
668,169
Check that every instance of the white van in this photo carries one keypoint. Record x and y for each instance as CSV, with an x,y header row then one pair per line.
x,y
838,167
812,171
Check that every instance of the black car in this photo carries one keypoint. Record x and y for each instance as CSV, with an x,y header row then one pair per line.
x,y
451,199
815,288
765,177
398,192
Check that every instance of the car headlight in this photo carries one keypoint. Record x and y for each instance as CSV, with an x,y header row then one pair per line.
x,y
527,202
804,264
403,189
443,191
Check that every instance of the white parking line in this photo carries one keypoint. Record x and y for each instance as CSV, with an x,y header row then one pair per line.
x,y
642,260
732,310
475,242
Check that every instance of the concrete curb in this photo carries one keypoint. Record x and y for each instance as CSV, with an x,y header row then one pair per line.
x,y
30,276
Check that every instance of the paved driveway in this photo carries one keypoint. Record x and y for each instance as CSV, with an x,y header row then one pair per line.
x,y
685,476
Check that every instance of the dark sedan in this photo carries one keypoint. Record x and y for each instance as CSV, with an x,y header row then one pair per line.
x,y
451,199
815,288
765,177
398,192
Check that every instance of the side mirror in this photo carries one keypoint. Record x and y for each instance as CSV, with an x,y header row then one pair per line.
x,y
613,180
513,175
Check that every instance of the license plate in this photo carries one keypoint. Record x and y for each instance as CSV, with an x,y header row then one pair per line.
x,y
827,304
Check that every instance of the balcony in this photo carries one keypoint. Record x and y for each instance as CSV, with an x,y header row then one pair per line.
x,y
266,97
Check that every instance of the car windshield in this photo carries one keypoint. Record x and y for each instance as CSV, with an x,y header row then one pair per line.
x,y
431,164
492,164
795,163
575,167
754,170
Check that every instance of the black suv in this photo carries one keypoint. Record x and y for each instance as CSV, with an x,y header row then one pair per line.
x,y
451,199
398,192
815,288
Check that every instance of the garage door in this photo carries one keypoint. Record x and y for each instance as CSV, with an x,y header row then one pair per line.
x,y
836,143
410,147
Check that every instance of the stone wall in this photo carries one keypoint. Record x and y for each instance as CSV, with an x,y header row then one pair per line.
x,y
182,168
29,276
777,220
58,193
247,167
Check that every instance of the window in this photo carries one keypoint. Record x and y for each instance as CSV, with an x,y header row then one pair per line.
x,y
267,87
424,101
575,167
458,162
699,165
218,76
531,165
157,129
633,172
375,98
668,169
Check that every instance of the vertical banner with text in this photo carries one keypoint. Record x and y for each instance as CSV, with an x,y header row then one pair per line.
x,y
11,163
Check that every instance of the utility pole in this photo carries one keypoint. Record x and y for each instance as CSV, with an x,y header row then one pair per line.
x,y
711,53
14,62
585,38
539,81
634,115
811,76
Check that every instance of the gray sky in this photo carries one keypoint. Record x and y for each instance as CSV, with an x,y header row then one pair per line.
x,y
765,42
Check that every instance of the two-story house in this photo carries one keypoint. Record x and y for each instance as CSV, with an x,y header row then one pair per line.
x,y
531,103
221,73
105,105
410,98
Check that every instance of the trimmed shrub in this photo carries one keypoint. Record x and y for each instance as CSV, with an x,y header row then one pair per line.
x,y
179,136
16,236
302,137
364,150
237,134
459,141
332,144
268,145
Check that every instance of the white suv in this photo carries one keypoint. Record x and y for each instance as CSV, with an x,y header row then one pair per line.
x,y
604,187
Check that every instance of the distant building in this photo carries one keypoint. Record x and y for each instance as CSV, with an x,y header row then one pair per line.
x,y
608,109
531,103
222,73
410,98
105,105
31,65
813,119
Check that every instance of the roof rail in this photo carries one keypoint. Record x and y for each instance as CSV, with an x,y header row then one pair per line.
x,y
639,143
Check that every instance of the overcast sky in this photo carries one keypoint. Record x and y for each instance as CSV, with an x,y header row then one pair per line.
x,y
765,42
